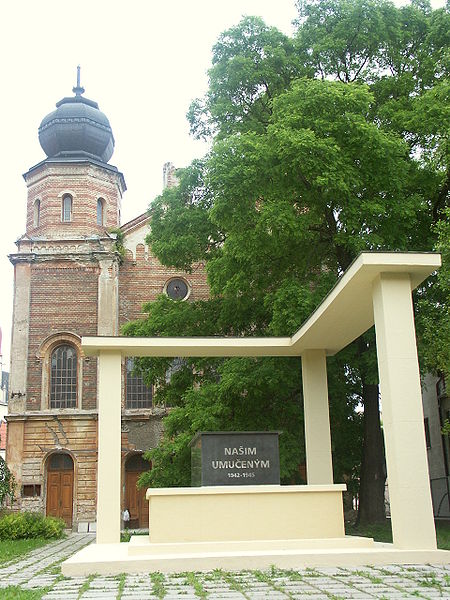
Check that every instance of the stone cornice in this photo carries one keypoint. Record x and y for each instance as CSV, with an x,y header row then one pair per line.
x,y
63,255
44,415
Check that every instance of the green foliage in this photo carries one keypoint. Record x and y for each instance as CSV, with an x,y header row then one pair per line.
x,y
382,532
7,483
25,525
14,592
434,307
251,64
324,145
445,430
180,227
118,244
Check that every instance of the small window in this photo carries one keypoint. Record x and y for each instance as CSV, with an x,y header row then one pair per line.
x,y
67,208
427,432
177,289
138,395
36,213
100,211
63,378
31,490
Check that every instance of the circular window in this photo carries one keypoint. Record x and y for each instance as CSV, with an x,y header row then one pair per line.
x,y
177,289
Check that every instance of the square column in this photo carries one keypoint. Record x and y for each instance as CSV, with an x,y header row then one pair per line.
x,y
319,466
403,427
109,447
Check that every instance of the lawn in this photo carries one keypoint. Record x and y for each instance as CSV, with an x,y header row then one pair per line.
x,y
13,592
382,532
10,549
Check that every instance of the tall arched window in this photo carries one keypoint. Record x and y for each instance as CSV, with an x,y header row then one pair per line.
x,y
138,395
63,377
36,213
100,211
66,208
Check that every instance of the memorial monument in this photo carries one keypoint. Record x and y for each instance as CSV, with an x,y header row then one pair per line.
x,y
235,458
256,526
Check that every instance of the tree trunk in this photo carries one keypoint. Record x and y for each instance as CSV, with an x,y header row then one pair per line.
x,y
373,469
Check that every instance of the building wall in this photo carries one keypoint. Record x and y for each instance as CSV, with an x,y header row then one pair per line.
x,y
86,182
63,299
69,283
142,278
436,408
435,451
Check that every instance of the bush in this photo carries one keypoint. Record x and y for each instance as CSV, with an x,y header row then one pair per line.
x,y
16,526
7,483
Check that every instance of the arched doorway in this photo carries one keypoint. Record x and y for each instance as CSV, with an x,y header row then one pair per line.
x,y
135,500
60,487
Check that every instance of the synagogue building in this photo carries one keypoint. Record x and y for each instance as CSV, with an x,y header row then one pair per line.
x,y
71,281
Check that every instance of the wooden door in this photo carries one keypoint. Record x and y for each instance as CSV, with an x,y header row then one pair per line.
x,y
60,495
135,501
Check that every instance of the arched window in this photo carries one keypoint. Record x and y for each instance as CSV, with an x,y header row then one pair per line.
x,y
66,208
63,377
138,395
100,211
36,213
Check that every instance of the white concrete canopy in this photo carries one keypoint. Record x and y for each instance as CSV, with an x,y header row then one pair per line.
x,y
344,315
376,289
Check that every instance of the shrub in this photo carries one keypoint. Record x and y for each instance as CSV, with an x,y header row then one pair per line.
x,y
7,483
16,526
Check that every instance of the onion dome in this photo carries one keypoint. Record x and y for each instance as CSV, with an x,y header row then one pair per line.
x,y
77,129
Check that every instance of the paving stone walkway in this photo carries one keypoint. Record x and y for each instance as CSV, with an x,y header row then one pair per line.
x,y
40,571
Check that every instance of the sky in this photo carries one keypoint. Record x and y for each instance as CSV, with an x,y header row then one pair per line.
x,y
143,61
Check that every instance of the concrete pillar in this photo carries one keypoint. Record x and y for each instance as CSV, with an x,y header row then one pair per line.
x,y
403,427
319,464
109,447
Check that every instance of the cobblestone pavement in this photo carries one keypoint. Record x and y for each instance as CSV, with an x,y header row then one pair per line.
x,y
40,572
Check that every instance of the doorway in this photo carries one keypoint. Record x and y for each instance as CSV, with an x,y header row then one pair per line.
x,y
135,500
60,487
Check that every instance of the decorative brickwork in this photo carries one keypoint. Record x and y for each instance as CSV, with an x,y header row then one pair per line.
x,y
85,182
69,283
142,278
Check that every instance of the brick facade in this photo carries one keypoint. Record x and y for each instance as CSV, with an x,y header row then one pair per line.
x,y
69,283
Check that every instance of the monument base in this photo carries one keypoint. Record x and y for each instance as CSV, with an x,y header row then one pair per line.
x,y
250,512
140,556
251,527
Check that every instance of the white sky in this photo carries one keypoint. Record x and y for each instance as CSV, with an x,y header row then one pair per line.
x,y
143,61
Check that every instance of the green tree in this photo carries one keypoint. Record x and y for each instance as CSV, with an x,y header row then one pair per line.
x,y
303,174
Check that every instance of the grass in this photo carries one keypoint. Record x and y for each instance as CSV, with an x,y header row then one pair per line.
x,y
11,549
382,532
158,584
125,536
14,592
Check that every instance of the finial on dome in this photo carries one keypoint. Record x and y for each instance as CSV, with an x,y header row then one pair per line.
x,y
78,90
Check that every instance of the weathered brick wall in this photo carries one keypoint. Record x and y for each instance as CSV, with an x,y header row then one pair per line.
x,y
78,436
61,270
142,277
142,433
86,183
63,299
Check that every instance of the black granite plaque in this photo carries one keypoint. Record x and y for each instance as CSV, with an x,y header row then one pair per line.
x,y
235,458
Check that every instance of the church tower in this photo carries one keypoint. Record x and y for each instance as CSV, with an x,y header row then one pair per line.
x,y
66,286
72,280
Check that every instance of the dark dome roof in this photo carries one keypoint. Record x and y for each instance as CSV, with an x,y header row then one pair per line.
x,y
77,128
